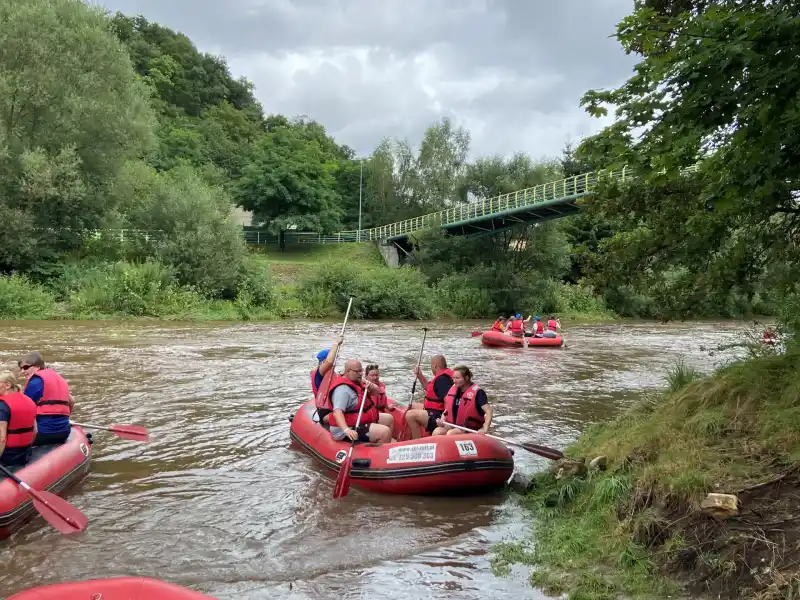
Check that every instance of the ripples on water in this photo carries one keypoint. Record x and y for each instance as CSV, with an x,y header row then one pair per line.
x,y
220,502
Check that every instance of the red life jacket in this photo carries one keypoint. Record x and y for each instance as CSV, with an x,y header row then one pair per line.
x,y
370,413
314,388
432,402
517,326
497,325
538,328
468,414
55,397
23,416
380,399
552,324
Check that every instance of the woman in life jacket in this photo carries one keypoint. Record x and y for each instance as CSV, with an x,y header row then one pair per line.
x,y
499,324
465,404
553,327
17,422
379,397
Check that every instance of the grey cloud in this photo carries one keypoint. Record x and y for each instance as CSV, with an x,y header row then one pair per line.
x,y
513,70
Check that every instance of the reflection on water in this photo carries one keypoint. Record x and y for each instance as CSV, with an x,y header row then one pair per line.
x,y
219,502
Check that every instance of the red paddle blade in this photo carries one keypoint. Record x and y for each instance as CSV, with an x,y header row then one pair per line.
x,y
544,451
343,480
476,333
131,432
59,513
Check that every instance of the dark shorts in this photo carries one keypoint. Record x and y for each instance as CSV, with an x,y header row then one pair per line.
x,y
433,416
363,433
44,439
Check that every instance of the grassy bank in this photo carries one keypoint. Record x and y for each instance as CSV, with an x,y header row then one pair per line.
x,y
301,282
637,530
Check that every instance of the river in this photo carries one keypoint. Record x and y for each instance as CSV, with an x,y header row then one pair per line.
x,y
220,502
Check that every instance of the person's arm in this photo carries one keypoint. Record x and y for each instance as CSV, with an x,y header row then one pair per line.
x,y
34,388
482,402
327,364
71,403
5,417
420,377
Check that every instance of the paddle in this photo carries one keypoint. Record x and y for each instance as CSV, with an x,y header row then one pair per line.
x,y
419,362
544,451
343,479
476,333
136,433
58,512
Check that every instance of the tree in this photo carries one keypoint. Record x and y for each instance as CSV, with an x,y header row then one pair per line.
x,y
717,85
72,112
289,182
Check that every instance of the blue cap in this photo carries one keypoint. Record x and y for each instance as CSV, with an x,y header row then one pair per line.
x,y
536,319
323,354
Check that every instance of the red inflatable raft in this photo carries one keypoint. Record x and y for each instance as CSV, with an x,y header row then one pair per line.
x,y
117,588
496,339
52,468
429,465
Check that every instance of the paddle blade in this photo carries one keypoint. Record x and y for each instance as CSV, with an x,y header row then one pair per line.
x,y
136,433
343,480
476,333
59,513
544,451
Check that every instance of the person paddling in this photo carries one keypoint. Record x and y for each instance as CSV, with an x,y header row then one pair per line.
x,y
538,327
325,364
17,422
424,415
54,402
465,404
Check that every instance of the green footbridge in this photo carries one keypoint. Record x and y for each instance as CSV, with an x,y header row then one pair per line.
x,y
543,202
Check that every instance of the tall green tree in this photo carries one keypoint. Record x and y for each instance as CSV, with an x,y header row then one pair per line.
x,y
717,85
289,182
72,113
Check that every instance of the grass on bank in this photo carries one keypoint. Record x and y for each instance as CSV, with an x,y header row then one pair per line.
x,y
636,530
303,282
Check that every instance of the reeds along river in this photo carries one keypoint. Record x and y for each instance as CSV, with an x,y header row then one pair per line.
x,y
220,502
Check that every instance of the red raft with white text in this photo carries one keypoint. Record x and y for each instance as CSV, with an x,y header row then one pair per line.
x,y
117,588
429,465
497,339
52,468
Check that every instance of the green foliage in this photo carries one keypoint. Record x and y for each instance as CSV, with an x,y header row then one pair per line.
x,y
20,298
717,84
378,293
71,113
289,182
194,231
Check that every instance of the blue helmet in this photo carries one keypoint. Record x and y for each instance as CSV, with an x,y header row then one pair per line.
x,y
323,354
536,319
518,316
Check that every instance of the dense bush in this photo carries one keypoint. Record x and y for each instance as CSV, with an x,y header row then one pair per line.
x,y
20,298
378,292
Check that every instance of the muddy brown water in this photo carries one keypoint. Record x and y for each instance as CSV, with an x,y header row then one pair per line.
x,y
220,502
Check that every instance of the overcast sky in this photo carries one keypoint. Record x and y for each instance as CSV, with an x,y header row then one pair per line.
x,y
511,71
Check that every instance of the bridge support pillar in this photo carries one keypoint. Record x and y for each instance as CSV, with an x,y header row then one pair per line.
x,y
390,254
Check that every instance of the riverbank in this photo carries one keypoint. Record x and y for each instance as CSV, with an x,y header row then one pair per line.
x,y
302,282
638,528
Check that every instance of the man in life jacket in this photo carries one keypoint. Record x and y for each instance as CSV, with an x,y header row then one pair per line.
x,y
54,403
517,326
17,423
345,396
325,364
425,414
538,327
465,404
